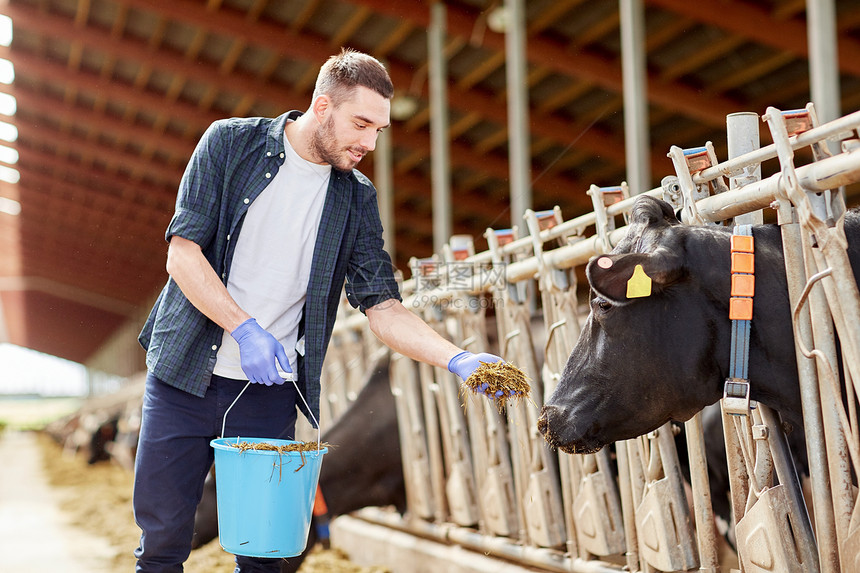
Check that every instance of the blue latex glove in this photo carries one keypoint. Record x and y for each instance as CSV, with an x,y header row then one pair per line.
x,y
465,363
258,351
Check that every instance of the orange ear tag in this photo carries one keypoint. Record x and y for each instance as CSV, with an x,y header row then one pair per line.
x,y
639,284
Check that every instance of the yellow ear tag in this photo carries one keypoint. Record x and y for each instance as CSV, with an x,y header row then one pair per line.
x,y
639,284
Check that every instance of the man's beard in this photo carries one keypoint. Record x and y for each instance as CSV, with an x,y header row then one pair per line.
x,y
326,147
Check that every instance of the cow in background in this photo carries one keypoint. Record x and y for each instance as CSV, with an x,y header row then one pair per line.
x,y
105,433
361,469
105,426
644,361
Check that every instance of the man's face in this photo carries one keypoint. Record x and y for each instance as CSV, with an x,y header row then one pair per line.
x,y
349,130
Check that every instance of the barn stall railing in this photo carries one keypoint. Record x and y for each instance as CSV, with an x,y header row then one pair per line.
x,y
486,479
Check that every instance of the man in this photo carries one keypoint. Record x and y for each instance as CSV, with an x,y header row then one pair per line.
x,y
271,220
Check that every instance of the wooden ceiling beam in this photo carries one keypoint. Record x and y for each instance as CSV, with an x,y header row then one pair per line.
x,y
394,39
154,102
757,24
749,73
115,281
113,193
702,56
847,20
127,48
550,15
608,24
544,124
73,252
353,23
409,187
87,224
667,33
468,157
461,154
114,90
61,112
465,157
788,9
72,200
233,24
556,55
45,136
314,49
63,293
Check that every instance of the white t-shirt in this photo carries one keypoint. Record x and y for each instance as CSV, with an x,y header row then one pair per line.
x,y
272,262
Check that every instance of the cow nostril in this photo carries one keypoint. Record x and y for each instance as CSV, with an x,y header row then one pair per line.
x,y
543,420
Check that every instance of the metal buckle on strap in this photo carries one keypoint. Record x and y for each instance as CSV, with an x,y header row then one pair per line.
x,y
736,396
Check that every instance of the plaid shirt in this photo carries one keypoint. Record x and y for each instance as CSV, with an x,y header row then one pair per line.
x,y
232,164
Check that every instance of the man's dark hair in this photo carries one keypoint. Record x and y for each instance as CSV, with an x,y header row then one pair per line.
x,y
342,73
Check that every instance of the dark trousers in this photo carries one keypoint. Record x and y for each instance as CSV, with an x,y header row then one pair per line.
x,y
174,456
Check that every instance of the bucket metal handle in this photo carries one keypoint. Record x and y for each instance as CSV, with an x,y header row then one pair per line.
x,y
299,392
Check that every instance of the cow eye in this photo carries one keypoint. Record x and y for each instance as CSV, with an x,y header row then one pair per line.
x,y
602,304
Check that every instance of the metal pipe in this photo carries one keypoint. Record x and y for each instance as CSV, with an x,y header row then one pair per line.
x,y
546,559
706,531
829,173
825,308
753,198
518,111
823,58
813,423
383,176
743,137
821,175
440,164
625,488
834,128
637,146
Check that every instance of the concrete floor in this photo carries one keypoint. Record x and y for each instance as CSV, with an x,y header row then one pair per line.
x,y
35,537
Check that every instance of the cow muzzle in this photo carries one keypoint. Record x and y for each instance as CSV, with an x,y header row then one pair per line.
x,y
558,428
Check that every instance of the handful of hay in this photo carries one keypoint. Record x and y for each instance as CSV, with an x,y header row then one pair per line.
x,y
499,380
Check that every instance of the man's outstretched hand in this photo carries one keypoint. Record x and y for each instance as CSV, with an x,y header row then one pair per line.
x,y
465,363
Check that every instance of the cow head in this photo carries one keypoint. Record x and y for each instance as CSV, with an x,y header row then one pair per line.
x,y
646,353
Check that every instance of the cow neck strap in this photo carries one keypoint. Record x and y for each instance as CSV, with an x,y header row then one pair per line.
x,y
736,393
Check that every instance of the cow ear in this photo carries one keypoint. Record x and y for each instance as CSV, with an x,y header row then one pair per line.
x,y
620,278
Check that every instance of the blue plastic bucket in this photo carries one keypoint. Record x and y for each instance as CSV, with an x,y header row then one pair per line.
x,y
265,498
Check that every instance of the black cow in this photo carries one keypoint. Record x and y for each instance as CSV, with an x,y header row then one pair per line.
x,y
644,361
361,469
100,438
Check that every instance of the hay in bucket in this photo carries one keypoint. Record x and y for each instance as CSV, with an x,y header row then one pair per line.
x,y
300,447
501,377
290,447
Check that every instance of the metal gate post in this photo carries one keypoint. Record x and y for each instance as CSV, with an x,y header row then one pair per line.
x,y
706,531
406,388
742,138
625,487
837,451
821,217
440,161
813,423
